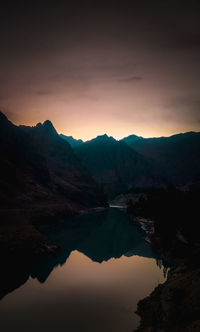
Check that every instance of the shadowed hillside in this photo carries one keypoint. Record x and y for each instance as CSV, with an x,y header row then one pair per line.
x,y
41,180
72,141
115,165
177,156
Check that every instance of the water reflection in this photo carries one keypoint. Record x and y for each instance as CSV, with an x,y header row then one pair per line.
x,y
103,269
99,235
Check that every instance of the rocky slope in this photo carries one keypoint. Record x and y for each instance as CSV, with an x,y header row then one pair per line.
x,y
175,305
41,180
177,157
115,165
72,141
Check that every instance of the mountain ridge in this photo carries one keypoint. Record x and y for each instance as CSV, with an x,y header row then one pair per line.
x,y
131,136
41,181
114,164
178,156
71,140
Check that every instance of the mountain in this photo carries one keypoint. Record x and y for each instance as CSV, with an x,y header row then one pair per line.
x,y
68,178
177,156
114,164
132,139
41,180
72,141
20,163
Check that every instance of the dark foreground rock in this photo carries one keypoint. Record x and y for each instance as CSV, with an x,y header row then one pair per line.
x,y
173,306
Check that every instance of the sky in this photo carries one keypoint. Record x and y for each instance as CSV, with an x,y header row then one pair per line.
x,y
121,68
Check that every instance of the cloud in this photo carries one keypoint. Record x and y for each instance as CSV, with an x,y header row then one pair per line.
x,y
131,79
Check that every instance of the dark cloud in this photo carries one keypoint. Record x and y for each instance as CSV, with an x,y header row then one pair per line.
x,y
131,79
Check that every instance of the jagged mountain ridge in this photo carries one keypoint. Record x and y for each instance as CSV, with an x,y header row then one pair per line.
x,y
168,161
72,141
114,164
37,166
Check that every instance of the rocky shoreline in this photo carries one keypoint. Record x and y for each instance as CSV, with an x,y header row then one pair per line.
x,y
174,305
169,218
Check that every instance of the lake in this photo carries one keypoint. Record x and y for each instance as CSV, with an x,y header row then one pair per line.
x,y
103,269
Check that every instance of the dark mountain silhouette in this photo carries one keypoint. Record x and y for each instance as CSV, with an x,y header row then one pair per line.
x,y
37,164
131,139
41,180
21,164
114,164
69,177
72,141
177,156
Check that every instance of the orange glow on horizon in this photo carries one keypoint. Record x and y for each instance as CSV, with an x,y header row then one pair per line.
x,y
117,131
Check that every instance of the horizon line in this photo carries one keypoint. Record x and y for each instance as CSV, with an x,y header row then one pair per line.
x,y
119,139
93,137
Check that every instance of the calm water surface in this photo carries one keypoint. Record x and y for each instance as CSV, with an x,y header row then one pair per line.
x,y
104,268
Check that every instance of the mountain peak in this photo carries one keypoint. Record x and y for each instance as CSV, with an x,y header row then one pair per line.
x,y
104,137
48,126
39,125
132,138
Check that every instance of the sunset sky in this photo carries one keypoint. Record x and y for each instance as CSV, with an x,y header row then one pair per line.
x,y
124,68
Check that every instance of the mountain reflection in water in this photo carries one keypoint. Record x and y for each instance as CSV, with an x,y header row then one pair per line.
x,y
98,235
103,269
